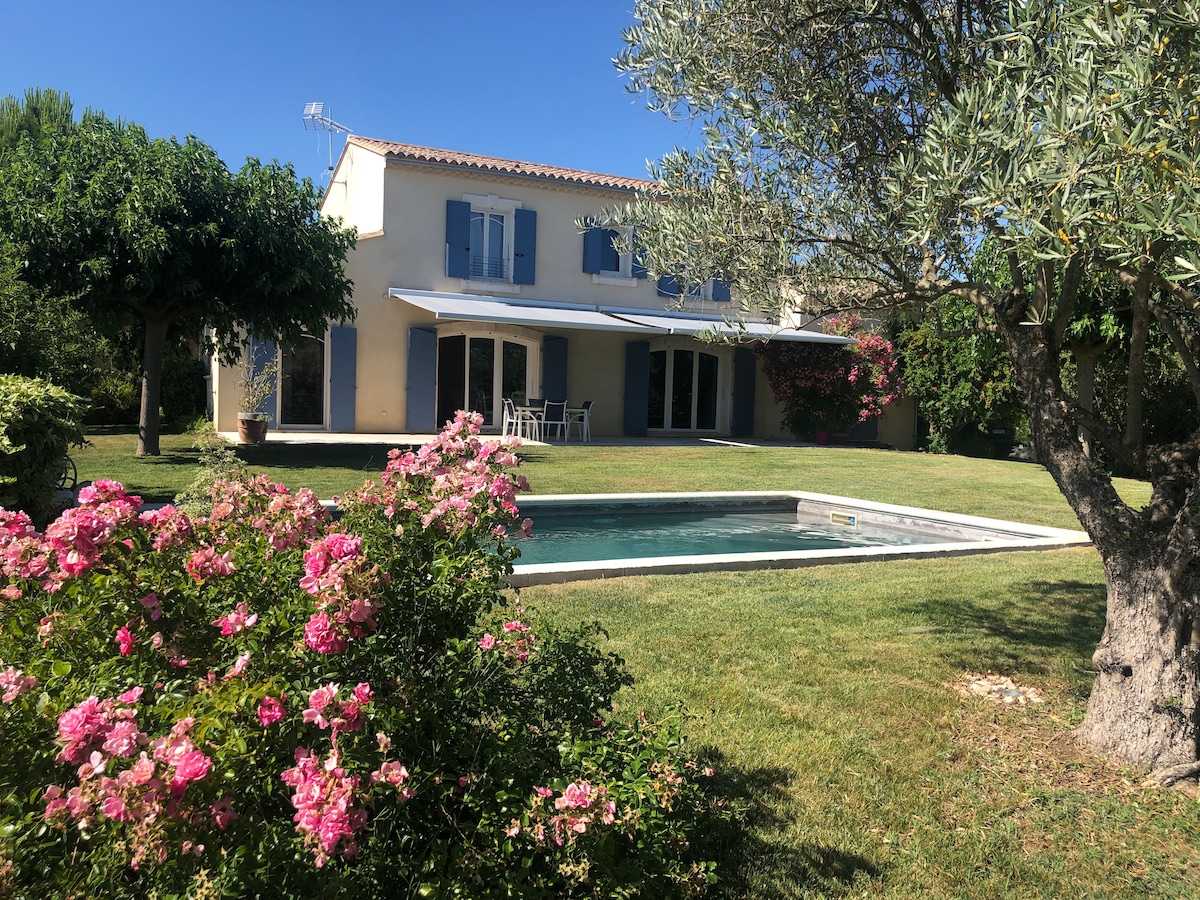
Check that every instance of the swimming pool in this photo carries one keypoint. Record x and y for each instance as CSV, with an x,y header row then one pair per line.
x,y
583,536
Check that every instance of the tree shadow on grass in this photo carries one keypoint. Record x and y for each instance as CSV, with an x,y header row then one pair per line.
x,y
366,458
751,849
1022,627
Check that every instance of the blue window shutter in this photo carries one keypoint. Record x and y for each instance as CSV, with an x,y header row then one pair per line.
x,y
668,286
524,246
593,250
744,366
554,368
639,259
458,238
264,353
343,375
420,415
637,387
720,291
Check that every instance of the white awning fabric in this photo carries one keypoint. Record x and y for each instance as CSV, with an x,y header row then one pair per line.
x,y
479,308
746,330
475,308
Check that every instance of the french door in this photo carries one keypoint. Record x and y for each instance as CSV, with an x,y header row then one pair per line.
x,y
475,372
683,390
302,381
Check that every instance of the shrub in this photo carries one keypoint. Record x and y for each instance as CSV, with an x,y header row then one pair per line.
x,y
38,424
182,397
961,378
266,702
831,387
115,399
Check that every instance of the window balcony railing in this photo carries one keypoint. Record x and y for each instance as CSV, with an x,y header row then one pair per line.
x,y
488,267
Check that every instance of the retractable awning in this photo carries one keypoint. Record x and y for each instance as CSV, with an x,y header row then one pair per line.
x,y
479,308
693,325
476,308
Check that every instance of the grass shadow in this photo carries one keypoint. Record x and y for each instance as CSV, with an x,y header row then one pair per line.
x,y
368,458
1022,628
755,857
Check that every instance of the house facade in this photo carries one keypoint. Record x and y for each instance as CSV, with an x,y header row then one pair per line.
x,y
473,282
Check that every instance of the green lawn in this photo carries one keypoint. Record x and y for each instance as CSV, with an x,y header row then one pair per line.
x,y
826,696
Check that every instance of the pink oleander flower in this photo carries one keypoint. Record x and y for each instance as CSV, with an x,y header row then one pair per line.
x,y
124,640
237,621
270,711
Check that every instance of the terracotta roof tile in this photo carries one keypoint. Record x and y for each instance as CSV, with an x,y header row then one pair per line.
x,y
501,166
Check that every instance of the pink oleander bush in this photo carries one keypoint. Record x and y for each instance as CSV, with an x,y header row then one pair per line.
x,y
832,387
264,701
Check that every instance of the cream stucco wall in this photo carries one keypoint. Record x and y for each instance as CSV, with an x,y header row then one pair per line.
x,y
399,210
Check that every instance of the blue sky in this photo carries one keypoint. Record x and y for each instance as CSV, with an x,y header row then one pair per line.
x,y
530,80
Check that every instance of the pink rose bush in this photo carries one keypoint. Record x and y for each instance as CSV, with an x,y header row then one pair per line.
x,y
220,696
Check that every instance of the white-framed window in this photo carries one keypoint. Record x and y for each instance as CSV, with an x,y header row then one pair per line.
x,y
490,257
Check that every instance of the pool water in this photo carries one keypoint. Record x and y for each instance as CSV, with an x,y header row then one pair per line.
x,y
575,535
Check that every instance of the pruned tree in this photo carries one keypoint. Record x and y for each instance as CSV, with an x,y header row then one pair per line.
x,y
857,153
162,231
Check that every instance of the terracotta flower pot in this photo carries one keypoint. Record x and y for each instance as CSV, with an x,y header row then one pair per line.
x,y
252,431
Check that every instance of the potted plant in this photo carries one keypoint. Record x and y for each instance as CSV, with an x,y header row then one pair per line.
x,y
257,384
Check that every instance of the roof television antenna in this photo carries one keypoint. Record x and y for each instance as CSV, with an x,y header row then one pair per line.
x,y
315,120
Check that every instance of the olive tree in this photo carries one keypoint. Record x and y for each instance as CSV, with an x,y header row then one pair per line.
x,y
857,154
162,232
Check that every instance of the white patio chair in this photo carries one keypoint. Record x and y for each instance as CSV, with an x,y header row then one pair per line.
x,y
519,423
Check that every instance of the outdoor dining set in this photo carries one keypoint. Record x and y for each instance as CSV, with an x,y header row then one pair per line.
x,y
541,420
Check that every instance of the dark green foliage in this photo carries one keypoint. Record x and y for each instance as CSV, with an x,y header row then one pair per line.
x,y
44,336
38,424
161,232
183,389
41,111
960,376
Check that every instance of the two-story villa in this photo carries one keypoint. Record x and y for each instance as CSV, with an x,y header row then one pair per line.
x,y
473,282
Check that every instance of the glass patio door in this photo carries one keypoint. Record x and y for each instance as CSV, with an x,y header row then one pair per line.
x,y
475,372
302,384
683,390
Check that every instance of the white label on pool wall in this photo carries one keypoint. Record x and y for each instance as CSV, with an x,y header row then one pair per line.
x,y
586,536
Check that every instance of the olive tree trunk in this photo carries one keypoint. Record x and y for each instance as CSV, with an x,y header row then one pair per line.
x,y
1142,709
1143,706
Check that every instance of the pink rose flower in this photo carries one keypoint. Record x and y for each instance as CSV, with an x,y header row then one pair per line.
x,y
124,640
270,711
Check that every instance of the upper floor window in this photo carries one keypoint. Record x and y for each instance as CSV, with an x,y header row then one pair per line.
x,y
713,291
608,254
490,239
490,251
